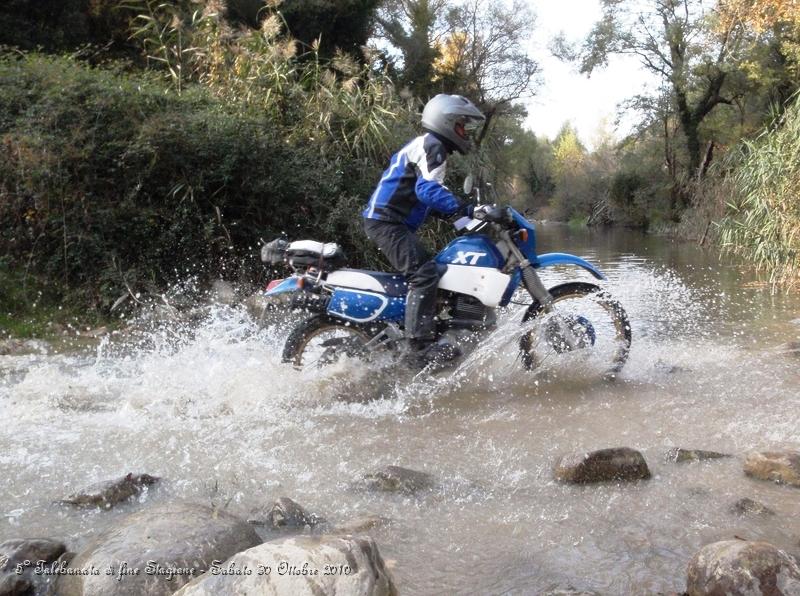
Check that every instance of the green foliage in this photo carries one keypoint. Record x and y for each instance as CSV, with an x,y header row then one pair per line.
x,y
109,181
764,213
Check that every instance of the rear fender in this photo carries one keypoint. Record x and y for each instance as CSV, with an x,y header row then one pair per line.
x,y
290,284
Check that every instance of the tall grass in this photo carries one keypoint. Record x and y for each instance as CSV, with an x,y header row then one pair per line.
x,y
338,105
763,222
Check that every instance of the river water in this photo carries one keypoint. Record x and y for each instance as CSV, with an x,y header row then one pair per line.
x,y
212,410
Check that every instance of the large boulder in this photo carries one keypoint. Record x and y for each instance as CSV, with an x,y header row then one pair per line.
x,y
156,551
285,514
742,568
108,493
300,566
617,464
778,466
681,455
15,552
396,479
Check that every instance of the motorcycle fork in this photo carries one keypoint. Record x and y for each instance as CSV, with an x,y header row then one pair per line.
x,y
533,283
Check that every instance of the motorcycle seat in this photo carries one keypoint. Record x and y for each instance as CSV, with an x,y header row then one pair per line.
x,y
391,284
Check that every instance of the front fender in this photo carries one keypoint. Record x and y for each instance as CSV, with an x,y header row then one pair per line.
x,y
561,258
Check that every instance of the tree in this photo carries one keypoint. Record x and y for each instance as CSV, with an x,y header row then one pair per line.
x,y
475,48
338,24
672,39
414,28
485,56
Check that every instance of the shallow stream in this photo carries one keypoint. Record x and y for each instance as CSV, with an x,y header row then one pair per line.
x,y
213,411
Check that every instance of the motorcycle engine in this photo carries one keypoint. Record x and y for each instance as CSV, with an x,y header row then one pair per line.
x,y
470,310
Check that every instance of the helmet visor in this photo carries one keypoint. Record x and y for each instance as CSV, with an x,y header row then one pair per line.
x,y
466,127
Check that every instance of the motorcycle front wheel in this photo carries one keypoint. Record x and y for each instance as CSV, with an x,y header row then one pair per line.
x,y
322,340
584,320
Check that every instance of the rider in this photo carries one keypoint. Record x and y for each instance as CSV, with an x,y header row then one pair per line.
x,y
410,188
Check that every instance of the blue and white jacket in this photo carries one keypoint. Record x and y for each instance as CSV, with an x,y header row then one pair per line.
x,y
413,185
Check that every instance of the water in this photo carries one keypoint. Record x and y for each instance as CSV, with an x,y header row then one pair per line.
x,y
212,410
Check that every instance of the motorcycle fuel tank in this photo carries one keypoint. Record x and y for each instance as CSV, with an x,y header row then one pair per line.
x,y
473,268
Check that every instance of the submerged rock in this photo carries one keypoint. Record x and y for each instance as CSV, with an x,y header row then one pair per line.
x,y
747,506
742,568
791,348
782,467
111,492
680,455
170,545
396,479
616,464
285,513
301,566
360,525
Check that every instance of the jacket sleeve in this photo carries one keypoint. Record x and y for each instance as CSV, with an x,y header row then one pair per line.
x,y
430,188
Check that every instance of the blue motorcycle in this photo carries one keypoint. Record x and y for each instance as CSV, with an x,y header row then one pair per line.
x,y
358,313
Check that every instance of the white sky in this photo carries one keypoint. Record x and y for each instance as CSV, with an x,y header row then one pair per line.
x,y
566,95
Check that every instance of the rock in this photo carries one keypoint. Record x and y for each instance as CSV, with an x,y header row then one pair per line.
x,y
395,479
791,348
747,506
111,492
169,545
12,584
782,467
356,563
680,455
360,525
13,552
19,560
742,568
285,513
617,464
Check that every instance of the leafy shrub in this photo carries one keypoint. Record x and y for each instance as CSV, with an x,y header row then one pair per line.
x,y
110,181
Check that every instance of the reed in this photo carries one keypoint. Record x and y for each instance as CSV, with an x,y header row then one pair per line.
x,y
763,221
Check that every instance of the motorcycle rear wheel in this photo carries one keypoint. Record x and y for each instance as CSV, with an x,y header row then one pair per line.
x,y
609,318
322,340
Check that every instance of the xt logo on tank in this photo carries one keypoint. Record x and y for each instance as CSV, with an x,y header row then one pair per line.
x,y
468,258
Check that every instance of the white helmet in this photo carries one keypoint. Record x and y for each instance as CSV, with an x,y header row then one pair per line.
x,y
453,117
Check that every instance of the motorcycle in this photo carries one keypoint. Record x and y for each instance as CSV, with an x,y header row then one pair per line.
x,y
359,313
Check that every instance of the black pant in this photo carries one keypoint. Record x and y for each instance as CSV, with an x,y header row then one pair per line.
x,y
407,255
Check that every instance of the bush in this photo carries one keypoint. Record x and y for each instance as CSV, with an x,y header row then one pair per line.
x,y
109,181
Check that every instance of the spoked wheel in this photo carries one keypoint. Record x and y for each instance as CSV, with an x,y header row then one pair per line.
x,y
584,321
322,340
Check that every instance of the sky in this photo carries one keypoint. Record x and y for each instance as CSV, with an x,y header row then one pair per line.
x,y
566,95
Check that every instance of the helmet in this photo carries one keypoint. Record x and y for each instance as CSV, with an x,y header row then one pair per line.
x,y
454,117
